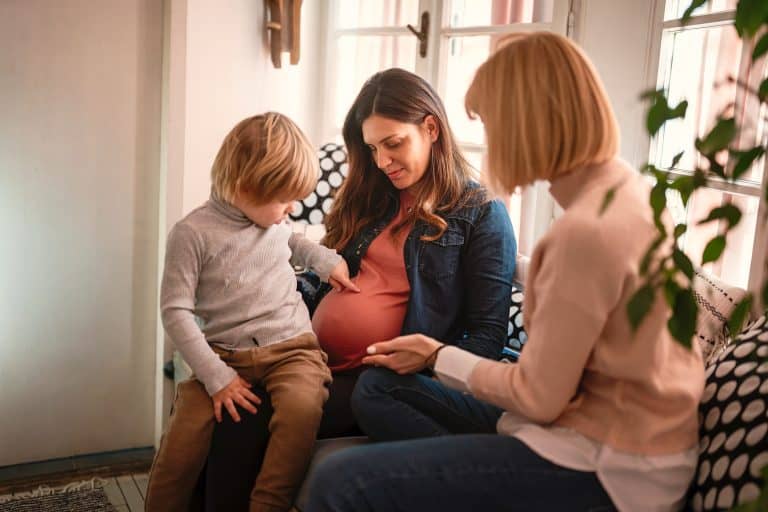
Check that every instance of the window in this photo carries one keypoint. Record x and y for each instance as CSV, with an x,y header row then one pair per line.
x,y
370,36
698,62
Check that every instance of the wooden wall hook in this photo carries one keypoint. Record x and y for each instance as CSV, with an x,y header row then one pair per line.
x,y
275,30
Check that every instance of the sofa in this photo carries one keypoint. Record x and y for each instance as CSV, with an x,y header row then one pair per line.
x,y
733,460
733,449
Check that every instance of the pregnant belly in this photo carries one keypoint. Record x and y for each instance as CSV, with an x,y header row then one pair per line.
x,y
347,322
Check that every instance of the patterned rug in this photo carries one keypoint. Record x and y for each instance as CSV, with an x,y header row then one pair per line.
x,y
85,496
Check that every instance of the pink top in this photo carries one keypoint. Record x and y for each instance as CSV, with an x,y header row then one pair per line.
x,y
582,366
347,322
587,392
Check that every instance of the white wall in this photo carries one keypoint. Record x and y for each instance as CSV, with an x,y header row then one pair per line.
x,y
230,76
79,153
616,35
110,115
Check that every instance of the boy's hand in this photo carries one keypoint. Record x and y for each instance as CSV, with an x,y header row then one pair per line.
x,y
339,278
238,392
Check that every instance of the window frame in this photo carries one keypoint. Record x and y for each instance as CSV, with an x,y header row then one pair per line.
x,y
745,187
537,208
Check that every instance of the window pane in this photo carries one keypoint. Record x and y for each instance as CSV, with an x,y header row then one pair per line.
x,y
478,161
377,13
733,266
699,65
675,8
359,57
464,56
475,13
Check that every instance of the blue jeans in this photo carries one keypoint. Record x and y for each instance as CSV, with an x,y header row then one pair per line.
x,y
487,472
392,407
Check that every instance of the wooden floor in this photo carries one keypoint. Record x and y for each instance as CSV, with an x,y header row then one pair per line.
x,y
125,492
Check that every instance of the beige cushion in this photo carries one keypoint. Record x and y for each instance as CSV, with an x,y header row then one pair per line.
x,y
522,264
717,300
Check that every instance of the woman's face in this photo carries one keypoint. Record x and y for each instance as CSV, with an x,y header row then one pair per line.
x,y
400,150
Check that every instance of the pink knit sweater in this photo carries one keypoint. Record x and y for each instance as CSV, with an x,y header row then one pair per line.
x,y
582,367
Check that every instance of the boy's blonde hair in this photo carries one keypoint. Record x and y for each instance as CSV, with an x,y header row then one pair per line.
x,y
544,109
265,158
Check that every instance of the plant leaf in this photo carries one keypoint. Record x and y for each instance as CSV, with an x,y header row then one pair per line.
x,y
680,230
749,16
683,262
713,250
648,256
660,112
639,305
685,186
715,167
718,137
676,159
671,288
682,323
695,4
699,178
730,212
765,298
648,169
761,47
744,159
739,315
762,91
650,94
659,198
608,199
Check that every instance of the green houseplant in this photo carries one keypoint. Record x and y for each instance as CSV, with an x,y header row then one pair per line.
x,y
665,268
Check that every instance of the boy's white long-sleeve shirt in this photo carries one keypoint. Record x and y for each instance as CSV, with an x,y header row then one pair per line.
x,y
238,280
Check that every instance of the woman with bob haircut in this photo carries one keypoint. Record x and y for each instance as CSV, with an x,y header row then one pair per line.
x,y
428,248
597,417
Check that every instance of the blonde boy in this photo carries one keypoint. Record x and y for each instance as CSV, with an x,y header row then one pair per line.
x,y
229,263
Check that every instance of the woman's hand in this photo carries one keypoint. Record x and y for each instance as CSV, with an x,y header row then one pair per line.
x,y
404,354
339,278
238,391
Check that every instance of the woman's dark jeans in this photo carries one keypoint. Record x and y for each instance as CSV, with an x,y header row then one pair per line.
x,y
464,465
483,472
392,407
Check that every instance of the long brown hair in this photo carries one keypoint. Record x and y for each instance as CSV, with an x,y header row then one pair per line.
x,y
366,193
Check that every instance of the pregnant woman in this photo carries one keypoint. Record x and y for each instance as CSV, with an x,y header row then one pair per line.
x,y
429,251
598,416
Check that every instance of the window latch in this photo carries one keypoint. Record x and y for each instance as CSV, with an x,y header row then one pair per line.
x,y
422,34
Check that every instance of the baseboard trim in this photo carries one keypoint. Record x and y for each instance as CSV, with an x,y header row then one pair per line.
x,y
24,477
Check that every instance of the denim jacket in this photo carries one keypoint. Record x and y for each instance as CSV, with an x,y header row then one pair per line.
x,y
460,283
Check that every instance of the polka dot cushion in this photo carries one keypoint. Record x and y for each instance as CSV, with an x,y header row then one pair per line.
x,y
516,336
734,419
333,169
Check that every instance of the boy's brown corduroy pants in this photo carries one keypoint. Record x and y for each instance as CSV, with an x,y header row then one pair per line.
x,y
295,374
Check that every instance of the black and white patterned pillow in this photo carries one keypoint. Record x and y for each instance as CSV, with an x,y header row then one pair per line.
x,y
333,169
516,336
734,422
